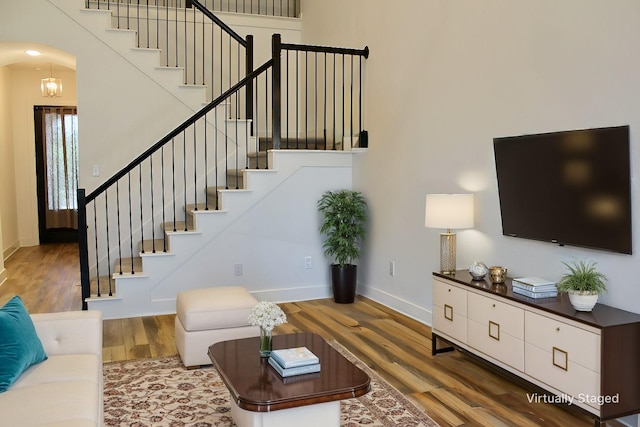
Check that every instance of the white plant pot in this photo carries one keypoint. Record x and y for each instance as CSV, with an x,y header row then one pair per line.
x,y
583,301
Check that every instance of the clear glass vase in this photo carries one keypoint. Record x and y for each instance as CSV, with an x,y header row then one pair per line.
x,y
265,342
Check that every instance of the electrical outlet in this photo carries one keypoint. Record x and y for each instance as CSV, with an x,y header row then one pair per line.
x,y
95,170
392,268
307,262
237,269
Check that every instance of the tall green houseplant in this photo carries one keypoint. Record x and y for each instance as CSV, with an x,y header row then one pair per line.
x,y
344,215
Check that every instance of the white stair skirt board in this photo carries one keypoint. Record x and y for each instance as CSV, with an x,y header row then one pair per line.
x,y
318,415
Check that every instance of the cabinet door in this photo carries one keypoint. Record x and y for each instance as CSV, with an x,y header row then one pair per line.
x,y
496,329
450,310
563,356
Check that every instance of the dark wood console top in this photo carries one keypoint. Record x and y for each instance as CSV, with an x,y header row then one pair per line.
x,y
602,316
255,386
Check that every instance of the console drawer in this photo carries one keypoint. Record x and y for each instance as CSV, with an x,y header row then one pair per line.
x,y
450,323
491,339
581,346
491,312
554,369
445,294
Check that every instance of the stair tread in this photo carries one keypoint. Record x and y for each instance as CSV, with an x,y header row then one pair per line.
x,y
148,246
179,227
201,207
127,265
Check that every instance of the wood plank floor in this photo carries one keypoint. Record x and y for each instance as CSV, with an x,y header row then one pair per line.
x,y
452,388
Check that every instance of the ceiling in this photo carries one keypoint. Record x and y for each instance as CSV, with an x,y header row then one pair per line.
x,y
13,54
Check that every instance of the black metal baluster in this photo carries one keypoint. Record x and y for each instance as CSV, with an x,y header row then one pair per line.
x,y
287,95
157,24
237,107
335,130
138,24
184,174
153,224
166,48
176,41
226,144
95,230
275,144
324,114
106,204
306,100
186,54
118,226
131,222
195,79
257,119
206,166
343,101
164,218
147,25
141,201
360,101
173,180
215,154
117,13
203,49
315,96
195,169
351,104
297,98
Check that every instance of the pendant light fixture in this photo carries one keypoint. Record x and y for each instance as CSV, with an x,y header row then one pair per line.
x,y
51,87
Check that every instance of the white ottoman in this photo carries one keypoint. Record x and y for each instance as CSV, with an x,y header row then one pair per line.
x,y
207,316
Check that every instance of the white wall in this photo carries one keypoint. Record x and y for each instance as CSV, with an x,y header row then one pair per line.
x,y
443,79
6,167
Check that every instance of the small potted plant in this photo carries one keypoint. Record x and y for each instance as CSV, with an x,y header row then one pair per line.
x,y
344,215
584,284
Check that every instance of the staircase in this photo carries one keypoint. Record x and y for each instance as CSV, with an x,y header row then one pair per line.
x,y
213,203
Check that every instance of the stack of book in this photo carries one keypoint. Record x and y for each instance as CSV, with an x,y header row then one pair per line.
x,y
294,361
534,287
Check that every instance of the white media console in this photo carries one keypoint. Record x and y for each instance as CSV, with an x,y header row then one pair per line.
x,y
590,357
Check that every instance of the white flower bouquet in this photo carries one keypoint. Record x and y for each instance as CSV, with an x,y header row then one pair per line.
x,y
267,315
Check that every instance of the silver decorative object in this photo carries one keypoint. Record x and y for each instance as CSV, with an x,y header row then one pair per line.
x,y
478,270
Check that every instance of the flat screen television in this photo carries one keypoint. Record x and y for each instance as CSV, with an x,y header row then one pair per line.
x,y
570,188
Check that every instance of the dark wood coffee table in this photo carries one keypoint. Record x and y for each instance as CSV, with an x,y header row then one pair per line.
x,y
260,396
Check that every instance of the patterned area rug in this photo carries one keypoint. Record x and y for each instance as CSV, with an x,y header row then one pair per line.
x,y
161,392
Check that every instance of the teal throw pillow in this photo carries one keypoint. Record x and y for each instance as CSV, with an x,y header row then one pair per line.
x,y
20,346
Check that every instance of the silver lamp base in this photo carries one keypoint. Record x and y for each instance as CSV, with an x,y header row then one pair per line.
x,y
447,253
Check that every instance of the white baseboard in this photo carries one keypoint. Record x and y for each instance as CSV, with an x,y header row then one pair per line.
x,y
3,275
10,250
293,294
400,305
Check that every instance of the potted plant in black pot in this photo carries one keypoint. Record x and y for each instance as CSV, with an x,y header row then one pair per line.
x,y
344,215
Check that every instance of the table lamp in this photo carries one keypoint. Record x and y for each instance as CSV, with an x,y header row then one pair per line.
x,y
448,211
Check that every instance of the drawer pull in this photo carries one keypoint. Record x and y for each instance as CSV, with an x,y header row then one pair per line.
x,y
494,306
449,289
560,358
558,329
494,330
448,312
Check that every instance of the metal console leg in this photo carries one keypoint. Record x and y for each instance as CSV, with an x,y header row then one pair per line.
x,y
434,346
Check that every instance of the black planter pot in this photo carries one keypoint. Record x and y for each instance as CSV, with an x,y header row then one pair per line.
x,y
343,282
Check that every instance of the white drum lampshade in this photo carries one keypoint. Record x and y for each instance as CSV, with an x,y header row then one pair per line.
x,y
448,211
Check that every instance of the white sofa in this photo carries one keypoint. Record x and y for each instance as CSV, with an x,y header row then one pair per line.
x,y
66,389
